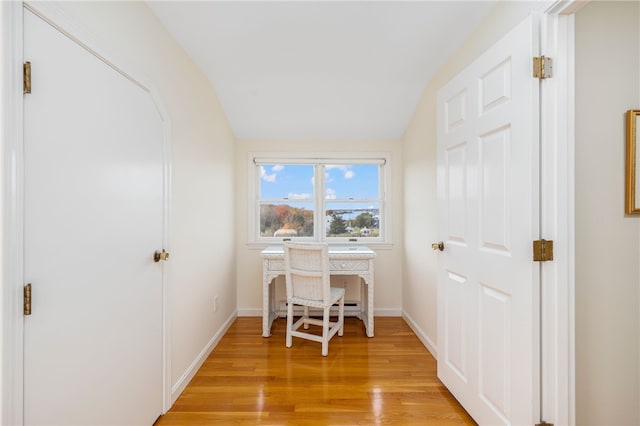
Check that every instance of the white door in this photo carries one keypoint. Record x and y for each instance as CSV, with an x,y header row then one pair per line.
x,y
488,196
93,219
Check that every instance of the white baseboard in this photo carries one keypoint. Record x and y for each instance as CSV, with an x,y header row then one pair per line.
x,y
384,312
428,343
186,377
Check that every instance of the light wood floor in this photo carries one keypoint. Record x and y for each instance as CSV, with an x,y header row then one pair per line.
x,y
389,379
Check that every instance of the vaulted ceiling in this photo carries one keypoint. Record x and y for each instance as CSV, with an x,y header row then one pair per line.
x,y
323,70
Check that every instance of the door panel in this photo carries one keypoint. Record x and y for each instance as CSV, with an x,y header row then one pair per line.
x,y
456,326
494,159
456,168
487,188
494,352
93,218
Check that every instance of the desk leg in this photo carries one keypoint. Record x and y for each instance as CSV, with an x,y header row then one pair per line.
x,y
269,311
267,305
370,313
366,298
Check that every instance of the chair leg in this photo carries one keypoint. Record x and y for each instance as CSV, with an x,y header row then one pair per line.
x,y
306,317
289,341
325,331
341,317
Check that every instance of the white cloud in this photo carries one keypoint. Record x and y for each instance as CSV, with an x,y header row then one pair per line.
x,y
347,173
330,194
303,196
266,177
277,168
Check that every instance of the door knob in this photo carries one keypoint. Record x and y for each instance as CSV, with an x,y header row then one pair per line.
x,y
438,246
160,255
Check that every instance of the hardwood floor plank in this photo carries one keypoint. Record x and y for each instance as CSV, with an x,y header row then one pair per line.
x,y
389,379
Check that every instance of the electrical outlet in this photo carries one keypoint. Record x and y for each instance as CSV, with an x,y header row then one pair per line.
x,y
215,304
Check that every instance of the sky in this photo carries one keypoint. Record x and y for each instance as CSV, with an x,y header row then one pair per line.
x,y
342,182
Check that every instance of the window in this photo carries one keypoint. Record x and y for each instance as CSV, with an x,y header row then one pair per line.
x,y
287,201
329,199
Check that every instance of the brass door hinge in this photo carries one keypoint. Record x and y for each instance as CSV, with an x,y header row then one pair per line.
x,y
27,299
542,67
160,255
26,77
542,250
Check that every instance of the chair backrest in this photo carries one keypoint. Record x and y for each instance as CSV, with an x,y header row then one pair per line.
x,y
307,271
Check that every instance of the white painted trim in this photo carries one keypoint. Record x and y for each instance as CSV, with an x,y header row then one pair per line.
x,y
12,394
571,221
191,371
11,182
426,341
166,244
558,214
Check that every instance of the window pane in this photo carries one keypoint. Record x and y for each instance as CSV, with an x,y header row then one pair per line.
x,y
353,220
357,181
285,181
286,219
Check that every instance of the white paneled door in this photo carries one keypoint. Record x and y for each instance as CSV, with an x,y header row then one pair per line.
x,y
488,167
93,350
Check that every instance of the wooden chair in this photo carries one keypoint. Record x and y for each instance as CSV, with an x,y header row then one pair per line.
x,y
308,285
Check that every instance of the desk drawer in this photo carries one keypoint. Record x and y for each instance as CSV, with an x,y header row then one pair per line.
x,y
276,265
348,265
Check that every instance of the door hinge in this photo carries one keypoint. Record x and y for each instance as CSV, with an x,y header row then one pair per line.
x,y
542,67
542,250
544,424
27,299
26,77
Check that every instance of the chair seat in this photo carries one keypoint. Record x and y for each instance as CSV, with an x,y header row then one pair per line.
x,y
336,294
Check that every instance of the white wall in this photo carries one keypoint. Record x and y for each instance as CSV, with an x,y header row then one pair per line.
x,y
202,262
607,242
419,295
388,270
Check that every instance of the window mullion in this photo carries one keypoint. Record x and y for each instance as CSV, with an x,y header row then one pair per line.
x,y
318,187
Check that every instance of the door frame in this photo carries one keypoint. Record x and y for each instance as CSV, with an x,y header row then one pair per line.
x,y
12,197
557,212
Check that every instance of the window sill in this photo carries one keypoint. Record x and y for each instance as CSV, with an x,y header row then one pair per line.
x,y
372,245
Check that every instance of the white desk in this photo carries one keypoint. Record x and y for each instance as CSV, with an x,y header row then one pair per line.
x,y
342,261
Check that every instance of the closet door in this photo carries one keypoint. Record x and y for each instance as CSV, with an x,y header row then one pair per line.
x,y
93,141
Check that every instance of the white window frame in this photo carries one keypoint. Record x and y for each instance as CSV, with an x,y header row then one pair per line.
x,y
256,159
